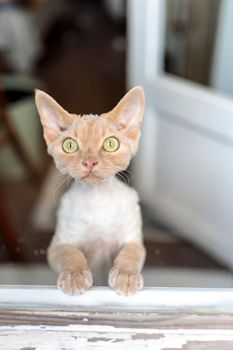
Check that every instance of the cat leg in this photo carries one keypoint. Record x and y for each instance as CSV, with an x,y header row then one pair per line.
x,y
125,277
75,276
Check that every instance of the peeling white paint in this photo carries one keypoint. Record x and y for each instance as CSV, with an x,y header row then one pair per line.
x,y
100,337
116,330
26,301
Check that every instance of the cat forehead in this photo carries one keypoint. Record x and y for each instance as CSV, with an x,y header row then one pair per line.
x,y
92,125
90,117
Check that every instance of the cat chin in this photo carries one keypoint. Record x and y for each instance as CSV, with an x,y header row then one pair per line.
x,y
93,179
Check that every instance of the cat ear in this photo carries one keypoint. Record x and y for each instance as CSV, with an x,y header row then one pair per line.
x,y
128,112
54,118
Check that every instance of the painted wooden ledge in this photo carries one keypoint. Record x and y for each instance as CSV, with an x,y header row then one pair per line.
x,y
41,317
103,298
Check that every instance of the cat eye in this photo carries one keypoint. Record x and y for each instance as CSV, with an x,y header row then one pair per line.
x,y
111,144
70,145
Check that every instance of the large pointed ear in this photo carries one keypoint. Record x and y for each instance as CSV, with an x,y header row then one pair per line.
x,y
128,112
54,118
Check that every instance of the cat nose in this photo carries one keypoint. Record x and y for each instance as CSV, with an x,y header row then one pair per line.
x,y
90,163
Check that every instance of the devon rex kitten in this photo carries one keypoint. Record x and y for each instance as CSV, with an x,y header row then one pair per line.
x,y
99,216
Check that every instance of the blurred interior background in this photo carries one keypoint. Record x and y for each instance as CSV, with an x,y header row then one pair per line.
x,y
80,52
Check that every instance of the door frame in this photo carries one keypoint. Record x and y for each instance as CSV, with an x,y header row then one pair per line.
x,y
187,102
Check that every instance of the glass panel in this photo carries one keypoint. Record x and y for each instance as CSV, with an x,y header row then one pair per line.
x,y
198,42
76,51
68,49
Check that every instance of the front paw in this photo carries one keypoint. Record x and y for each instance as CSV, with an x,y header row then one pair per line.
x,y
75,282
125,282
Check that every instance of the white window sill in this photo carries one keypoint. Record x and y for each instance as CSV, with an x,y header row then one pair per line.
x,y
103,298
42,317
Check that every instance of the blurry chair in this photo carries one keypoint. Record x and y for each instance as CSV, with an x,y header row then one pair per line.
x,y
9,136
9,234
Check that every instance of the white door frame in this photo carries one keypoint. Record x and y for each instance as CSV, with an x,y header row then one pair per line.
x,y
187,105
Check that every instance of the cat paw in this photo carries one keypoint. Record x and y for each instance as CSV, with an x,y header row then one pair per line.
x,y
75,282
125,282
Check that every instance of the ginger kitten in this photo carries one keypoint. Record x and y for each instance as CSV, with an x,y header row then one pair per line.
x,y
99,216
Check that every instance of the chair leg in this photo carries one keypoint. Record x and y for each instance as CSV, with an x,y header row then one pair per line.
x,y
19,149
9,235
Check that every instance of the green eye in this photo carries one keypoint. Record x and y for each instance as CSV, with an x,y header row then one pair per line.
x,y
70,146
111,144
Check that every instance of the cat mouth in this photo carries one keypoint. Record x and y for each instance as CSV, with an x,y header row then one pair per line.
x,y
91,175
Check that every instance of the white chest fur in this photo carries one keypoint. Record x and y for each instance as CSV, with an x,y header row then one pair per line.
x,y
108,212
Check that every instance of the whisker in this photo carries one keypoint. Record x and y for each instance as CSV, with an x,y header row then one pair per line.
x,y
129,172
68,181
126,176
122,173
122,177
56,189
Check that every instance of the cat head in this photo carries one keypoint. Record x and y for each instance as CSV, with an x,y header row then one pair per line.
x,y
91,147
